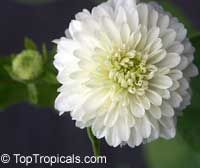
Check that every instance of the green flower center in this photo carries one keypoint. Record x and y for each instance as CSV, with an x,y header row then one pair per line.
x,y
130,70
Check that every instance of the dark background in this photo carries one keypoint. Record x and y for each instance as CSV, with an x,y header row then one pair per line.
x,y
26,129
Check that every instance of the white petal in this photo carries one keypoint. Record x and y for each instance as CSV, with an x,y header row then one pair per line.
x,y
155,112
131,119
125,33
135,39
143,14
188,48
128,4
145,127
167,122
164,93
167,133
154,122
145,102
98,128
112,115
65,55
153,34
156,46
87,41
74,27
168,37
153,18
143,40
135,137
180,31
133,20
167,110
66,103
176,47
88,29
157,57
137,109
99,11
161,81
175,74
163,22
184,85
105,41
183,63
191,71
111,30
85,14
95,99
123,129
171,60
112,137
120,16
154,97
175,100
175,86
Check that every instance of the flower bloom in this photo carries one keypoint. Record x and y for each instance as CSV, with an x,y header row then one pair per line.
x,y
125,70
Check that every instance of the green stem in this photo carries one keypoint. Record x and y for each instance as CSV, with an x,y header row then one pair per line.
x,y
95,142
32,92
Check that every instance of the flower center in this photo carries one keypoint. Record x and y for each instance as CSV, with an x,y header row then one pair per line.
x,y
130,70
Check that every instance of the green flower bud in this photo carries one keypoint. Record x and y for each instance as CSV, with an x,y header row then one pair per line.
x,y
27,65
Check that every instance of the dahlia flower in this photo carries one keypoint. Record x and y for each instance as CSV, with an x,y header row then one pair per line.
x,y
125,69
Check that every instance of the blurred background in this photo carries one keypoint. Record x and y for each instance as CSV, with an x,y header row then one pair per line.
x,y
26,129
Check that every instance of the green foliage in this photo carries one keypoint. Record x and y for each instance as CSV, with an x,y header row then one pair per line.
x,y
41,91
47,94
32,93
188,124
173,153
11,91
44,53
196,43
96,144
29,44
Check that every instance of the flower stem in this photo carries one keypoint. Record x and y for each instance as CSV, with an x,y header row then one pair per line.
x,y
94,141
32,92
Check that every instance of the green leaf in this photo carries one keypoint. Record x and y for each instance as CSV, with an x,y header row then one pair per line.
x,y
50,78
29,44
44,53
11,92
43,92
3,72
174,153
47,94
188,124
48,85
195,39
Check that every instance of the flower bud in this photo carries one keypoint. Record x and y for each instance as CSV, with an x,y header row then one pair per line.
x,y
27,65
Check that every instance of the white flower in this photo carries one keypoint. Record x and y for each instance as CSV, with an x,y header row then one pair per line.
x,y
125,70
